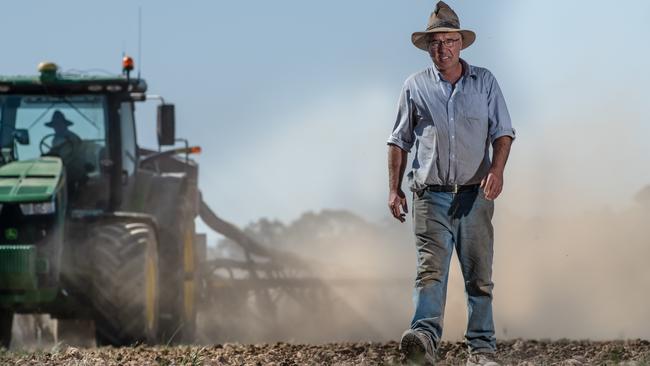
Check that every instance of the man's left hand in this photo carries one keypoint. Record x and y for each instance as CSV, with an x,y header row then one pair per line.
x,y
492,184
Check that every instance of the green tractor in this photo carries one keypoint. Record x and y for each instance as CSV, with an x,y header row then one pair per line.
x,y
94,230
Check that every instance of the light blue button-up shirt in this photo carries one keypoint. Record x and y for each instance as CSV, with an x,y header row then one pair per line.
x,y
452,128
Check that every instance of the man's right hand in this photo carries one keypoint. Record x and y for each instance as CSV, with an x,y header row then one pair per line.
x,y
396,202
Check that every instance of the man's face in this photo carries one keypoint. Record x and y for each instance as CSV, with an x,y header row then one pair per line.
x,y
60,128
444,49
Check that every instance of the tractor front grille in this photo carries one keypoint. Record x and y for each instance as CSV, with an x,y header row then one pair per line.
x,y
18,267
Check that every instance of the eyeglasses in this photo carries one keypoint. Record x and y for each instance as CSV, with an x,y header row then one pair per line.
x,y
447,43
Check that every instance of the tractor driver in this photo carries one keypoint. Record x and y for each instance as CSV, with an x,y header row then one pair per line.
x,y
66,145
62,135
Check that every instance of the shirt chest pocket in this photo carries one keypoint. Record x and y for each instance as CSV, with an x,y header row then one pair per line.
x,y
474,107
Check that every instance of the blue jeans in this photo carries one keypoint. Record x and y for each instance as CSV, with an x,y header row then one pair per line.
x,y
443,221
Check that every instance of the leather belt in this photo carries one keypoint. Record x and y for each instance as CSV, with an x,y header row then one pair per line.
x,y
453,188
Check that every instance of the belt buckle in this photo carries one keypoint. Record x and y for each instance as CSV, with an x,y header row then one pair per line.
x,y
455,189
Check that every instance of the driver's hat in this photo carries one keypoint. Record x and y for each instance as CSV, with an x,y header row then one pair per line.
x,y
57,119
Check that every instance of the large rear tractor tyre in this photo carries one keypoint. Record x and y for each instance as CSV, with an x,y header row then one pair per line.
x,y
125,284
6,322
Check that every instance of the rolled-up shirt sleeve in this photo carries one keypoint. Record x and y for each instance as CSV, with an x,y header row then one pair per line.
x,y
403,135
498,116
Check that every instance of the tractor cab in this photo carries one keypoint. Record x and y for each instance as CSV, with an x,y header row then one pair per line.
x,y
85,121
70,127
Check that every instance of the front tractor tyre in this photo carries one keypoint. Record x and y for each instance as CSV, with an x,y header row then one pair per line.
x,y
125,283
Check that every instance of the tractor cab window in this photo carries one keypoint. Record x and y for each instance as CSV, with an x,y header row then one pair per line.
x,y
71,127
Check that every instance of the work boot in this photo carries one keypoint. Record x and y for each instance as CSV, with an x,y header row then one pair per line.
x,y
481,359
417,347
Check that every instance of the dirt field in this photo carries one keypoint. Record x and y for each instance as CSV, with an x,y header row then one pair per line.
x,y
516,352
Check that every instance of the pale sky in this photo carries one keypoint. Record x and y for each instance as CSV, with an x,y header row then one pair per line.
x,y
292,101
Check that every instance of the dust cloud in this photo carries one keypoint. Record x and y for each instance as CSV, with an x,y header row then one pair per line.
x,y
568,275
574,275
356,273
580,276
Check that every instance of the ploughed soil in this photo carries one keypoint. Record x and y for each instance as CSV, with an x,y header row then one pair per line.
x,y
512,352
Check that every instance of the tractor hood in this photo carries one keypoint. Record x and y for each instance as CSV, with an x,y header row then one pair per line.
x,y
30,180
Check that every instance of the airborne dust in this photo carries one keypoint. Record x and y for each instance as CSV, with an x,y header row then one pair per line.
x,y
573,275
578,275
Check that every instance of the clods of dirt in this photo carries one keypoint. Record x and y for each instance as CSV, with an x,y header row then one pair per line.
x,y
511,352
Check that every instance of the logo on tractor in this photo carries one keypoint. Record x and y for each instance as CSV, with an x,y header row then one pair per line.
x,y
11,233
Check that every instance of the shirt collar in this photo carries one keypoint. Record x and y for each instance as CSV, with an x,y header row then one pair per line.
x,y
468,70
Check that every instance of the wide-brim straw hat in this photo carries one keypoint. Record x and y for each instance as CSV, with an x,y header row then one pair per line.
x,y
57,119
442,20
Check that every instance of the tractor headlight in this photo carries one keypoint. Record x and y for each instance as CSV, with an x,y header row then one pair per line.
x,y
39,208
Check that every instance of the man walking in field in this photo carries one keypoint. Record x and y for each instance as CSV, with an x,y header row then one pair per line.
x,y
450,113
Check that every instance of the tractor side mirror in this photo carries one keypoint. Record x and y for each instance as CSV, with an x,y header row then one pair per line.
x,y
166,134
22,136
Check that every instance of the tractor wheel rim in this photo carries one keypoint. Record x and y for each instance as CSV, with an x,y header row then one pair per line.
x,y
151,284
